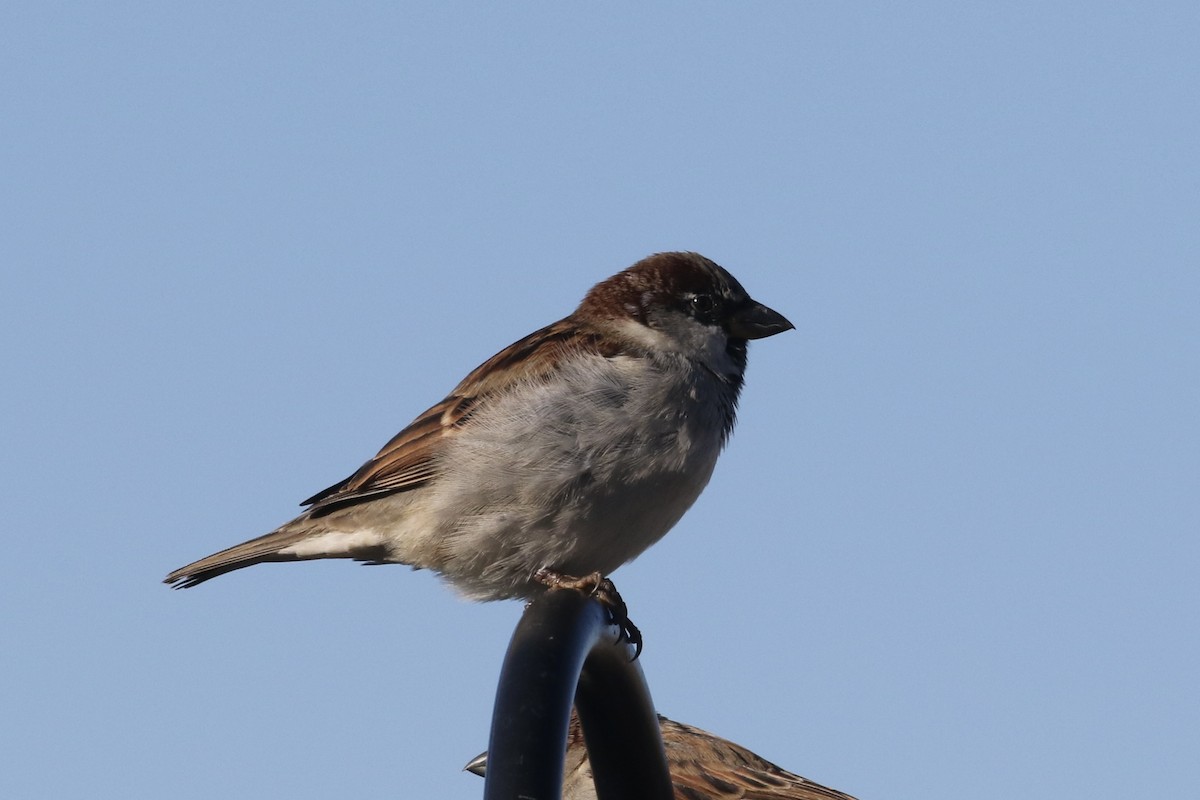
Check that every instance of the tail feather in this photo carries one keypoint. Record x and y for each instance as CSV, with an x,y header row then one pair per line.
x,y
255,551
285,544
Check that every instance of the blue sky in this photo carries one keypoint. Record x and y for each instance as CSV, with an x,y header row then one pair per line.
x,y
951,549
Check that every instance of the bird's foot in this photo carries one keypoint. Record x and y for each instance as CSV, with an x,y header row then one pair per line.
x,y
603,589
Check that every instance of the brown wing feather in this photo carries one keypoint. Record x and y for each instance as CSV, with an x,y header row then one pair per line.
x,y
410,459
707,766
750,784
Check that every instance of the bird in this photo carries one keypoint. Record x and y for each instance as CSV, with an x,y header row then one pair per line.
x,y
566,454
703,766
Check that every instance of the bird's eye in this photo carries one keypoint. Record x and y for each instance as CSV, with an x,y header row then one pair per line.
x,y
702,305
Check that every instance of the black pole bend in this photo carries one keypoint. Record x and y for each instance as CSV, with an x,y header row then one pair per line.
x,y
565,650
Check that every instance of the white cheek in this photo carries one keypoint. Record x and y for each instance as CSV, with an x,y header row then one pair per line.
x,y
674,332
644,335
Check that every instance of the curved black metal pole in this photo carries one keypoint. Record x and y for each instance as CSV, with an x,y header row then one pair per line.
x,y
564,649
622,732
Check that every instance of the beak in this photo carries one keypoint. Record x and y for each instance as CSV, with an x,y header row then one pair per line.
x,y
477,765
756,321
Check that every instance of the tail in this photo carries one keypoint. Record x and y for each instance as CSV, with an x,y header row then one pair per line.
x,y
289,543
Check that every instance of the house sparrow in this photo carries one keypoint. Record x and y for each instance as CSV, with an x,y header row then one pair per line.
x,y
702,767
567,453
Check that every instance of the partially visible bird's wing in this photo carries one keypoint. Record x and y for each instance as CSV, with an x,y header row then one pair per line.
x,y
410,459
707,766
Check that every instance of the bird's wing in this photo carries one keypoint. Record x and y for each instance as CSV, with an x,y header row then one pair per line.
x,y
743,783
411,458
704,765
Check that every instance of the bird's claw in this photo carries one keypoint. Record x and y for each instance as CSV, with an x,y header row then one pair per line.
x,y
605,591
